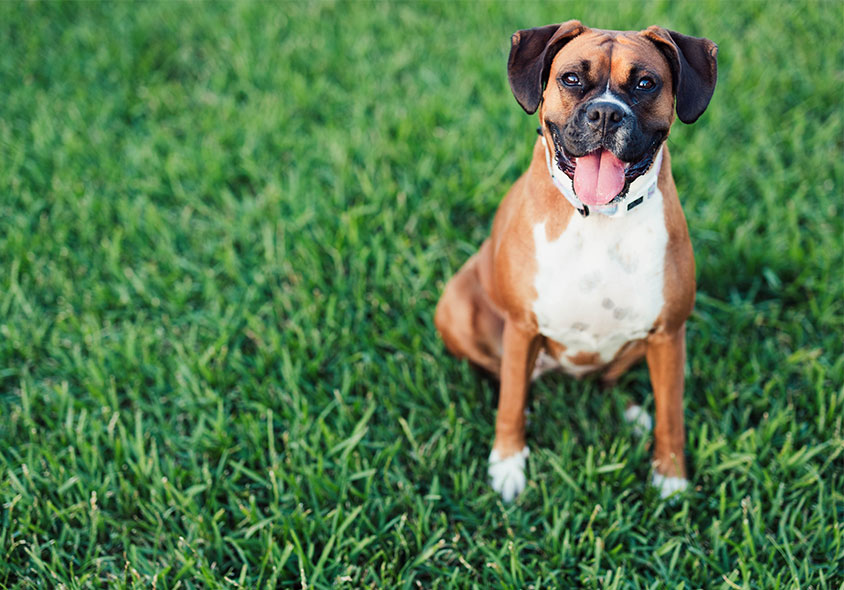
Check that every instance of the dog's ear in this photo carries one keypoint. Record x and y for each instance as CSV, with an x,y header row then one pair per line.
x,y
695,68
531,54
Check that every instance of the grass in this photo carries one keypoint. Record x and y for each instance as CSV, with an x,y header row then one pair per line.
x,y
223,231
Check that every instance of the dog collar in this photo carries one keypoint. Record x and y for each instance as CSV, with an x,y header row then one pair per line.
x,y
641,189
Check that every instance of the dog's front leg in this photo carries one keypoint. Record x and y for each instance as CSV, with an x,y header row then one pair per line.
x,y
509,451
666,356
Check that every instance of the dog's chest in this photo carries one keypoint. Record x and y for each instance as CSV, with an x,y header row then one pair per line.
x,y
599,284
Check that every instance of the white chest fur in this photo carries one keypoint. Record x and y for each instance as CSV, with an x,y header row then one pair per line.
x,y
600,283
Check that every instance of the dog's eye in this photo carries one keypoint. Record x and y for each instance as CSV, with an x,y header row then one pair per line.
x,y
570,79
646,83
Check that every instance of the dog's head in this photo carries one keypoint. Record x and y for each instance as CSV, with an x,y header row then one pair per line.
x,y
606,99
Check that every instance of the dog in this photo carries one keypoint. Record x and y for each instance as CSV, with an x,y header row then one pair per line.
x,y
589,267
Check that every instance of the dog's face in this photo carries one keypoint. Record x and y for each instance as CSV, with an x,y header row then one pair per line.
x,y
606,99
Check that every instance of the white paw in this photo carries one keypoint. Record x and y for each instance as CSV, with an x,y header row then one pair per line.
x,y
508,475
544,363
668,486
641,420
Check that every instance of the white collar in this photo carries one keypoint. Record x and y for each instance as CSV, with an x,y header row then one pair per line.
x,y
641,189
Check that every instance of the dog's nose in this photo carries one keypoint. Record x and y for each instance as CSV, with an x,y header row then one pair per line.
x,y
604,115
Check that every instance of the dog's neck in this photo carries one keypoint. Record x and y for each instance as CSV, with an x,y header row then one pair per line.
x,y
641,189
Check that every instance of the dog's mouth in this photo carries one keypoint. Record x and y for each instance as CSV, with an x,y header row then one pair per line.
x,y
600,177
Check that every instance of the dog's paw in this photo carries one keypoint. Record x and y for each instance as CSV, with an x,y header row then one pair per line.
x,y
668,486
508,474
640,419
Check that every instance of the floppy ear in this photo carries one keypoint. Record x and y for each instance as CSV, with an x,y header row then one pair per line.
x,y
531,55
695,68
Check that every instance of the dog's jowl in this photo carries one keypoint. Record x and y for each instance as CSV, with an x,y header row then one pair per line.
x,y
589,267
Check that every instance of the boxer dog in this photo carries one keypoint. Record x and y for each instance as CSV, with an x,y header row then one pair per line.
x,y
589,267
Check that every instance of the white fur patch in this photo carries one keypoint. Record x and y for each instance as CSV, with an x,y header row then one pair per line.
x,y
668,486
544,363
641,420
611,98
508,474
599,284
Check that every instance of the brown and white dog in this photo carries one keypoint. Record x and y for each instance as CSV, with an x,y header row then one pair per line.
x,y
589,267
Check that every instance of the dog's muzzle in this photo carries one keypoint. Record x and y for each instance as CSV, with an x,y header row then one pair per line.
x,y
638,189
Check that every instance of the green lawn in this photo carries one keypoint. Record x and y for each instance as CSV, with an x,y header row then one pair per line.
x,y
223,231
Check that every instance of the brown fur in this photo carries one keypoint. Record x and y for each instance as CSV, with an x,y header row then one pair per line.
x,y
485,313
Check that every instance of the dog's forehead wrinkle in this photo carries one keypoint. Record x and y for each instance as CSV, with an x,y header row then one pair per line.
x,y
599,60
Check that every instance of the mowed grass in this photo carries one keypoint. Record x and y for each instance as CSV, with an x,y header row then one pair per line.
x,y
223,231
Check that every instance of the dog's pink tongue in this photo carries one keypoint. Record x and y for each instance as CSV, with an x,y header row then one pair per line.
x,y
598,177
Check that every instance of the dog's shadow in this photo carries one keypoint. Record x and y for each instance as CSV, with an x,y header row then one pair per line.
x,y
586,408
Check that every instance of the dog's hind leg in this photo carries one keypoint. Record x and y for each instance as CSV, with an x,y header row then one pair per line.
x,y
467,320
